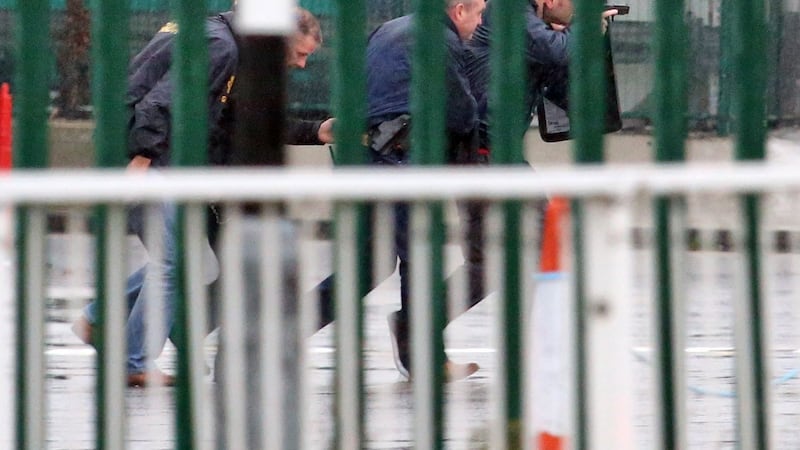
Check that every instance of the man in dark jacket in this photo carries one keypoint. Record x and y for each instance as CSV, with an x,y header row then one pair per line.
x,y
547,38
388,102
149,100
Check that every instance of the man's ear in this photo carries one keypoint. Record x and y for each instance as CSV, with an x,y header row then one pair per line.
x,y
459,10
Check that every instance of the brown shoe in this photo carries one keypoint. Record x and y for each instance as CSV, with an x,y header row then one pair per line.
x,y
154,377
454,371
83,329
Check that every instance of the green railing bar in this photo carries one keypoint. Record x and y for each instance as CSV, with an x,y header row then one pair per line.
x,y
350,100
30,152
724,102
508,113
580,416
110,50
428,143
189,133
428,84
671,103
109,33
587,72
750,77
587,117
508,81
775,19
350,86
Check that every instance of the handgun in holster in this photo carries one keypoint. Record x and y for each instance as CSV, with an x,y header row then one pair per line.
x,y
392,137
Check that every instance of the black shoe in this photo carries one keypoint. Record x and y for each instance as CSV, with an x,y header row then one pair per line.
x,y
398,332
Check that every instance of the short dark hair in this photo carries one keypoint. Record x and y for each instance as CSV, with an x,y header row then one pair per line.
x,y
308,25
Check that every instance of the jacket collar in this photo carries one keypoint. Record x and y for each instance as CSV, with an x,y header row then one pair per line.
x,y
450,24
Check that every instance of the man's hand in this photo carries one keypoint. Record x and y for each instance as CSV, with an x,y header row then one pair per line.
x,y
607,15
138,164
325,133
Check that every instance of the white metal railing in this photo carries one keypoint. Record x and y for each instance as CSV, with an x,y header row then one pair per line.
x,y
97,186
613,197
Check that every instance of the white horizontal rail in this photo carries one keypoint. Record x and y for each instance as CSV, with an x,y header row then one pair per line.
x,y
272,184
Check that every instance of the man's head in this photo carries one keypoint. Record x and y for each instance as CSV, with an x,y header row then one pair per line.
x,y
305,40
466,15
555,11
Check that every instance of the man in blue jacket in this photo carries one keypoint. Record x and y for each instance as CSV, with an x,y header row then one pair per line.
x,y
388,116
547,36
149,102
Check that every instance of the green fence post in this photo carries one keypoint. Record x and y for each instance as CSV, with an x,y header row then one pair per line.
x,y
726,77
33,62
428,143
750,65
587,118
110,53
775,18
671,104
350,101
189,133
508,114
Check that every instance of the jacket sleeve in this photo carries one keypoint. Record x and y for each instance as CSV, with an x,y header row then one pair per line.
x,y
545,45
149,134
462,108
302,132
150,127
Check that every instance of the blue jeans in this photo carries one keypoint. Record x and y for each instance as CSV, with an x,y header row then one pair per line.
x,y
157,276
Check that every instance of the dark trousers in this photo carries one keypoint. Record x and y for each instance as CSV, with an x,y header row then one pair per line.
x,y
471,218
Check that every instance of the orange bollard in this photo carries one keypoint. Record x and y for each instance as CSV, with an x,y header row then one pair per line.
x,y
5,127
549,338
550,260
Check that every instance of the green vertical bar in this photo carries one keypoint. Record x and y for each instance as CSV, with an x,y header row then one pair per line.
x,y
428,143
350,87
190,69
507,93
750,81
775,19
587,118
33,60
110,50
587,72
350,100
671,104
428,84
189,133
726,80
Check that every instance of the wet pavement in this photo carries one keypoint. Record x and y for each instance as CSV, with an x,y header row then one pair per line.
x,y
150,412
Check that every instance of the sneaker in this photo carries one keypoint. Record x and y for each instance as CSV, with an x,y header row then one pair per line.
x,y
398,332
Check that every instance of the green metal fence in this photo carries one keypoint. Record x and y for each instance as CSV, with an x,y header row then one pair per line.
x,y
708,57
748,72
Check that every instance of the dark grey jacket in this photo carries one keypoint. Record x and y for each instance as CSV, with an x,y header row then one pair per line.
x,y
546,55
149,96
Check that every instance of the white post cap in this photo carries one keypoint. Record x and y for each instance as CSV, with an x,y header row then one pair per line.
x,y
265,17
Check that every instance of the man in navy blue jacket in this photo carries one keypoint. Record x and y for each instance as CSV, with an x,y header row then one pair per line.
x,y
388,102
546,54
